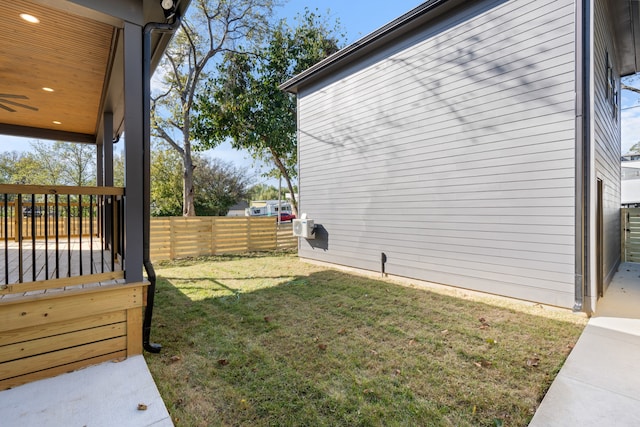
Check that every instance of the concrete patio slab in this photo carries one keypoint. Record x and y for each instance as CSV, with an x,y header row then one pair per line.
x,y
599,383
104,395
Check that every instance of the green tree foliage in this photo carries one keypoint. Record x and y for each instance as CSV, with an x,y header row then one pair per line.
x,y
79,163
58,163
118,169
219,186
244,103
262,192
635,148
19,168
211,28
8,161
166,183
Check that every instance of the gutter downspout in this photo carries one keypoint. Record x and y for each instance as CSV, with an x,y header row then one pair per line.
x,y
146,166
582,153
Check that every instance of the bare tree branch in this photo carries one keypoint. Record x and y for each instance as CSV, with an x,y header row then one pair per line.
x,y
629,88
211,28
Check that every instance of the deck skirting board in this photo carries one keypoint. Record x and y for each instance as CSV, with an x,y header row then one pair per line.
x,y
48,334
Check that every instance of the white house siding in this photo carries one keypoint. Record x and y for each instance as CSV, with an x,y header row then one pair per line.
x,y
451,151
606,130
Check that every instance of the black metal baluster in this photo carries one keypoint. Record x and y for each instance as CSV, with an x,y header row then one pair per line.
x,y
80,233
33,237
69,234
18,213
57,225
113,233
6,239
91,233
45,216
101,221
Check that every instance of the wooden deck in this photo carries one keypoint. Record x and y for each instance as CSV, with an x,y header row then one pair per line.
x,y
71,264
77,312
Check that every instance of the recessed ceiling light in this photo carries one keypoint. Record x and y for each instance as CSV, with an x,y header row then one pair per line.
x,y
47,89
56,122
29,18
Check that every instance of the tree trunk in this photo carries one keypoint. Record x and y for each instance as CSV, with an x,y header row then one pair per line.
x,y
287,178
188,205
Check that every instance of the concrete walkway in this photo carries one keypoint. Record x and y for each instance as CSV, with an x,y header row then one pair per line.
x,y
104,395
599,384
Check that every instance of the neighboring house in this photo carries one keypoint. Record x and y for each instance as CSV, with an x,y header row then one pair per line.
x,y
267,207
474,144
73,291
238,209
630,184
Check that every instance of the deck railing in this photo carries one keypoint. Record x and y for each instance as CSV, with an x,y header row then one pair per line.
x,y
55,232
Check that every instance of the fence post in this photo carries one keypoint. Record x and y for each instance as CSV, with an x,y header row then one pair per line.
x,y
623,227
172,239
212,231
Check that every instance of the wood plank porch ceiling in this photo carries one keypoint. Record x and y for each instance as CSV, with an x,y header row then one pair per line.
x,y
64,52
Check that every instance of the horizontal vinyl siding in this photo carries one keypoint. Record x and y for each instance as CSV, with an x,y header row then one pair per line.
x,y
451,151
607,137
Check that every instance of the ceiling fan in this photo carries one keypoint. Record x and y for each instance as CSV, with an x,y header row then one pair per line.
x,y
5,101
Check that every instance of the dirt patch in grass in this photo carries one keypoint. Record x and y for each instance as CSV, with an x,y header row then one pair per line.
x,y
270,340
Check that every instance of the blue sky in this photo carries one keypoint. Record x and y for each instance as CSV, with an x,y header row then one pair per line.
x,y
630,110
359,18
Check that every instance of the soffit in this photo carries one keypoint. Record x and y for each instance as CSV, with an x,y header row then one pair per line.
x,y
64,52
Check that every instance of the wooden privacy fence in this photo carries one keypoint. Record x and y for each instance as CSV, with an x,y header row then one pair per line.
x,y
184,237
630,222
62,219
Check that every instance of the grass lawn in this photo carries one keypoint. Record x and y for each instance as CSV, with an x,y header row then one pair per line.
x,y
271,341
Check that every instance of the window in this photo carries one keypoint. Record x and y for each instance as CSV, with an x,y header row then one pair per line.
x,y
611,87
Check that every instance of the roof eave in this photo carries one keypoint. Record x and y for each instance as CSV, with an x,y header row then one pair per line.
x,y
626,15
396,28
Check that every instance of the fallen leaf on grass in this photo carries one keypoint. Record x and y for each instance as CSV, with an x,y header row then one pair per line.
x,y
342,331
267,319
397,372
444,332
533,362
482,364
483,323
223,362
142,407
322,346
412,342
174,359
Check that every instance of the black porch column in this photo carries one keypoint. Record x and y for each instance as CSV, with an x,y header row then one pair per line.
x,y
107,177
133,119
